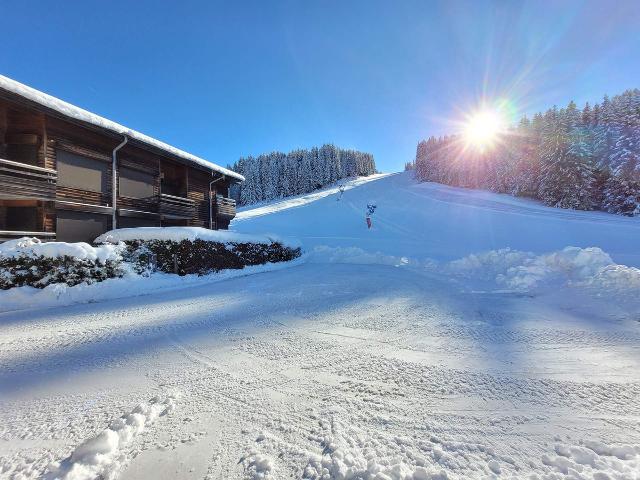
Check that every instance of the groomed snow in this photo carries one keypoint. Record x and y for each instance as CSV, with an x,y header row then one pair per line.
x,y
177,234
80,114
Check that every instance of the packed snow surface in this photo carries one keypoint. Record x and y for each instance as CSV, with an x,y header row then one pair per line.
x,y
80,114
186,233
465,336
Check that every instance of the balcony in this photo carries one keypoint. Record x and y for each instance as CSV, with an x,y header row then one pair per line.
x,y
225,207
176,207
24,181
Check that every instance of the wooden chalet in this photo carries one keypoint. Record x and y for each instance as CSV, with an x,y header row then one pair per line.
x,y
69,175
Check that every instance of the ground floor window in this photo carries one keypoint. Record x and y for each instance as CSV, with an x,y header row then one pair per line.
x,y
72,226
19,216
133,222
170,222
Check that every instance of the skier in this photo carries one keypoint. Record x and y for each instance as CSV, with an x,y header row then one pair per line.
x,y
371,207
341,191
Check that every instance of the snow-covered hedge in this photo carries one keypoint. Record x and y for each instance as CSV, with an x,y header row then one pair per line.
x,y
194,250
183,250
27,261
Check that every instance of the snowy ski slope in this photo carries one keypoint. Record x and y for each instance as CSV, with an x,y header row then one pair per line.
x,y
421,220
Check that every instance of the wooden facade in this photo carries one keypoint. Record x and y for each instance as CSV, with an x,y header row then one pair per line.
x,y
56,179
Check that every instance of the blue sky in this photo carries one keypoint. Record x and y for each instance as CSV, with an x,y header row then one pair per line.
x,y
225,79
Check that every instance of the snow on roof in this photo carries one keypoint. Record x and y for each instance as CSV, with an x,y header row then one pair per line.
x,y
178,234
77,113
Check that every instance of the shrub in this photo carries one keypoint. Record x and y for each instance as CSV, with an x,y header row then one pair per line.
x,y
29,262
40,271
201,256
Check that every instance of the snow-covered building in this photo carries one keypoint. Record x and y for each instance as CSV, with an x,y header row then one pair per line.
x,y
71,175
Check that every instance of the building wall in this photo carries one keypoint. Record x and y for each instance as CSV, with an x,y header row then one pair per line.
x,y
82,159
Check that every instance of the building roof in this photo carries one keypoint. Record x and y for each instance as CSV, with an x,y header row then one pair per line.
x,y
76,113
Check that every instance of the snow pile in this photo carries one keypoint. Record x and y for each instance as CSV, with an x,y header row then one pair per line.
x,y
524,271
356,255
258,466
33,248
101,456
77,113
350,453
592,459
177,234
620,280
488,265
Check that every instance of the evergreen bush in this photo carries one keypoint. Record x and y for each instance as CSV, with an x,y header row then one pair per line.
x,y
201,256
40,271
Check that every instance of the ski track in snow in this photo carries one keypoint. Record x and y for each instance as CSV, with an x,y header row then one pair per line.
x,y
323,371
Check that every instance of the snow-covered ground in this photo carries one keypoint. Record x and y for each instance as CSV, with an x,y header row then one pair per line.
x,y
459,338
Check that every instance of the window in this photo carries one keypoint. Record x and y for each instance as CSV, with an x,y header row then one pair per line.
x,y
22,153
76,171
174,180
74,226
132,222
21,147
135,184
23,219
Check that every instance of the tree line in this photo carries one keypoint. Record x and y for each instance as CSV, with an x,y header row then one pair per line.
x,y
277,175
586,159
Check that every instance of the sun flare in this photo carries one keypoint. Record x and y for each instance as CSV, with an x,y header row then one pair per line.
x,y
483,129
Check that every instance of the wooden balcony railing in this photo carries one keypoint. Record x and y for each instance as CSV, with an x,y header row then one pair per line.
x,y
225,207
176,207
21,180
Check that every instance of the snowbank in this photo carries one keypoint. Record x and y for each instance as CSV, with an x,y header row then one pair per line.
x,y
593,459
524,271
356,255
77,113
258,466
33,247
178,234
589,269
97,457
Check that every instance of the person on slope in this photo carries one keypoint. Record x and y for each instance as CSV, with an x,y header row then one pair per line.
x,y
340,192
371,207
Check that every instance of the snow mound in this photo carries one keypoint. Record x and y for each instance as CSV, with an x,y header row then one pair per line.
x,y
590,268
592,459
350,452
178,234
33,247
258,466
101,456
356,255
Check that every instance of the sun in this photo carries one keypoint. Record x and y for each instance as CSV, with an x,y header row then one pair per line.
x,y
482,129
